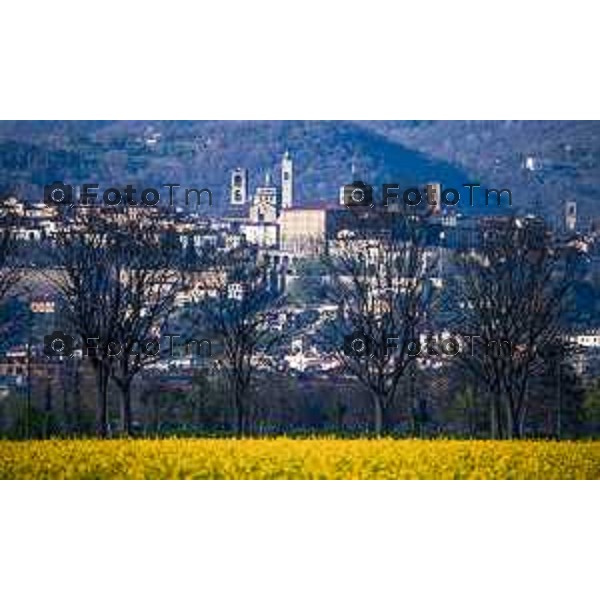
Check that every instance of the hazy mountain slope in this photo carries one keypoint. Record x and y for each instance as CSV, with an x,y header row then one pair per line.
x,y
567,154
202,153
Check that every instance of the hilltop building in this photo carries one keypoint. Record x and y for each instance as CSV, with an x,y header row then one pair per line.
x,y
239,187
287,181
570,216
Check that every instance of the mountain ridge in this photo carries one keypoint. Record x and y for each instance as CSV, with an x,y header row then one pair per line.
x,y
110,153
203,153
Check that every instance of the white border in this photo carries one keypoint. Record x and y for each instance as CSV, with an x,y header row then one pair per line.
x,y
266,59
299,540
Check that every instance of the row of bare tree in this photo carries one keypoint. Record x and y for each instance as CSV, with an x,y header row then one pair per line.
x,y
120,278
120,283
507,297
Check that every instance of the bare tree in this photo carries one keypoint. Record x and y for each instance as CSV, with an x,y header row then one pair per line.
x,y
382,288
147,279
84,279
509,300
239,297
120,283
10,271
10,275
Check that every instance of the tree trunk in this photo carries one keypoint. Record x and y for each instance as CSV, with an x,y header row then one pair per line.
x,y
558,402
494,416
126,413
514,421
155,413
515,409
521,423
66,425
47,412
238,413
377,415
102,402
510,423
77,400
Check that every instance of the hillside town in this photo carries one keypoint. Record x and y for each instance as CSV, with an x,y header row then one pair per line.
x,y
294,238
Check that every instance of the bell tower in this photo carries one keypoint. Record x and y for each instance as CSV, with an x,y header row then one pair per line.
x,y
287,181
570,215
239,186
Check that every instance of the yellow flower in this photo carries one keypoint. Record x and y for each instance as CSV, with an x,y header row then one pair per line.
x,y
283,458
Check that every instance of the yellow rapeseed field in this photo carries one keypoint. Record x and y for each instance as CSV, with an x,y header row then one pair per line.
x,y
298,459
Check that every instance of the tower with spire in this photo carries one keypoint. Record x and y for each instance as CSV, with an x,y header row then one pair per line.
x,y
239,186
353,178
287,181
571,216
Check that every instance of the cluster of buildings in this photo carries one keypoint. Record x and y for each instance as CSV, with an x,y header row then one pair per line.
x,y
286,232
272,220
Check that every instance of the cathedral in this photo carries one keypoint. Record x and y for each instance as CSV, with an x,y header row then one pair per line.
x,y
275,221
270,198
266,205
